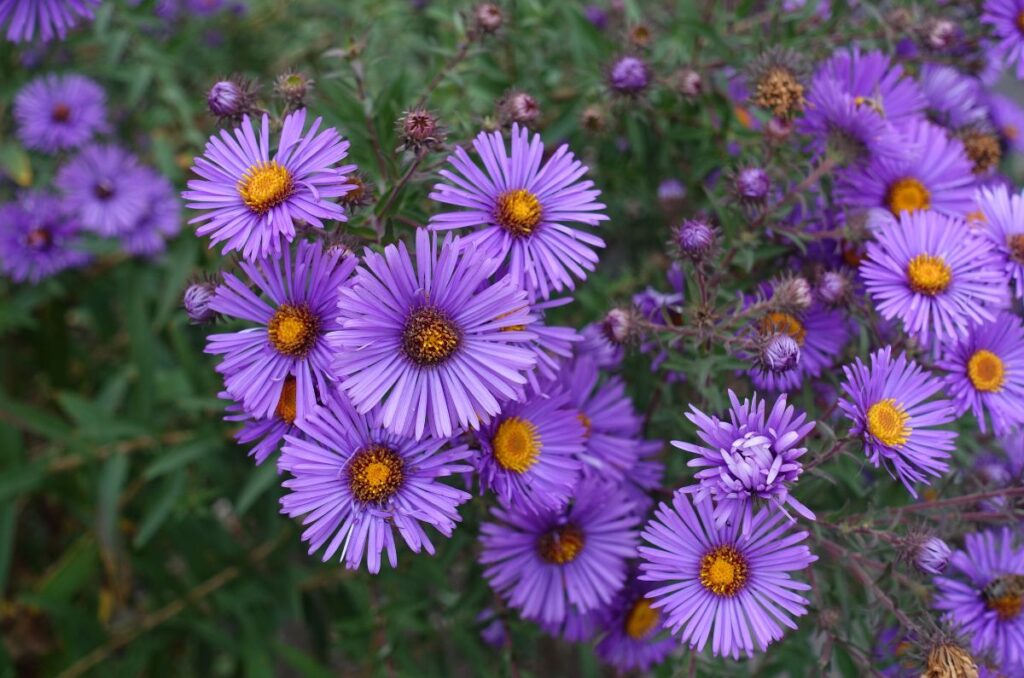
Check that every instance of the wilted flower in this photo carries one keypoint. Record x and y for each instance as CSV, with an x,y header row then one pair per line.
x,y
791,293
777,87
420,129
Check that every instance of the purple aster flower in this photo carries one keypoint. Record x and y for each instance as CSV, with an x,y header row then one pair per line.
x,y
986,373
1008,119
291,324
646,474
835,118
57,112
546,564
107,188
986,600
432,343
821,334
634,636
932,273
38,238
753,457
611,426
890,407
875,83
356,484
721,583
519,208
598,347
529,451
553,345
934,173
596,16
953,97
1003,226
52,18
1007,20
160,222
266,434
629,75
577,627
250,201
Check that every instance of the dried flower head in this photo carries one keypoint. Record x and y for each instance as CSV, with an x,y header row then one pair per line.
x,y
792,294
776,83
594,118
982,146
949,660
640,36
419,129
293,87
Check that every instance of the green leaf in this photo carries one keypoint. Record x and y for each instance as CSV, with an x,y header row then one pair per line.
x,y
170,491
179,456
260,480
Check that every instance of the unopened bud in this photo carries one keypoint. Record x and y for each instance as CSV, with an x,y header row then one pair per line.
x,y
420,129
941,34
619,326
671,195
780,353
689,83
792,294
833,288
487,18
752,184
196,301
293,88
694,238
931,555
518,106
629,75
225,99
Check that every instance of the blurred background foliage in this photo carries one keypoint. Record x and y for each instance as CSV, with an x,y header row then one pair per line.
x,y
137,539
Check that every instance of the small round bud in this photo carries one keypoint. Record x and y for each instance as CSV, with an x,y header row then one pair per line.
x,y
420,129
629,75
932,555
779,354
671,195
941,34
196,301
293,88
834,288
518,106
487,18
361,192
694,238
619,326
225,99
752,184
593,118
778,129
640,36
949,660
689,83
792,294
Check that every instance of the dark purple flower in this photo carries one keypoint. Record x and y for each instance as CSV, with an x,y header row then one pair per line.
x,y
160,222
107,188
58,112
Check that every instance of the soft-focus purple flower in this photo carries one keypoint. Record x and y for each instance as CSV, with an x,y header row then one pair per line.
x,y
932,555
1003,226
52,18
57,112
933,274
493,632
291,322
982,596
875,83
1007,117
671,194
891,407
596,16
529,452
933,173
519,206
986,373
547,565
629,75
821,334
433,343
718,583
251,200
107,188
953,97
633,633
1005,17
265,434
597,347
160,221
38,238
751,458
356,484
836,118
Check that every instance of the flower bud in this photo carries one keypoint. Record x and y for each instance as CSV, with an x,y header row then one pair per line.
x,y
792,294
293,88
752,184
694,238
596,16
225,99
518,106
420,129
941,34
689,83
778,129
196,301
780,353
487,18
593,118
931,555
629,75
619,326
671,195
833,288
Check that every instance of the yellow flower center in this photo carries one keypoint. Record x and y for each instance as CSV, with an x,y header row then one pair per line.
x,y
286,403
723,571
1020,21
293,330
929,275
986,371
1006,606
907,195
587,424
641,619
518,211
561,545
784,323
375,473
265,186
516,444
430,337
887,421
